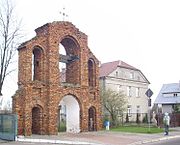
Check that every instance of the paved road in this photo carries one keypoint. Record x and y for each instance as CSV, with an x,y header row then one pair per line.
x,y
175,141
97,138
25,143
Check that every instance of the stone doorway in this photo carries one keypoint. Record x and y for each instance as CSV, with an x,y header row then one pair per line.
x,y
69,111
36,120
92,119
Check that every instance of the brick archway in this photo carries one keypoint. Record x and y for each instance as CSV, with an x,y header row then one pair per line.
x,y
92,119
70,113
45,84
36,120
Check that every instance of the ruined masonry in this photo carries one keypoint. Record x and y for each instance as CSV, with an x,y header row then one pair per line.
x,y
49,94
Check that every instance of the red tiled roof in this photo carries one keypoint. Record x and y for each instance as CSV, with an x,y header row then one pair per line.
x,y
109,67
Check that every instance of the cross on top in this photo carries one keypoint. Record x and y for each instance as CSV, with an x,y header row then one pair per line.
x,y
63,14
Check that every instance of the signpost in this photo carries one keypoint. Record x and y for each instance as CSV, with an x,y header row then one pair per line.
x,y
149,93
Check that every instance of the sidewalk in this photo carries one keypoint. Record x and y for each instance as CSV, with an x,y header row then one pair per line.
x,y
101,138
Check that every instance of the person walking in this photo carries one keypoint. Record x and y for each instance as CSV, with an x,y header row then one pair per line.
x,y
166,122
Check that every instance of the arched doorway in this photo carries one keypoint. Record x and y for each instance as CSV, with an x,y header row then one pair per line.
x,y
36,120
92,119
70,114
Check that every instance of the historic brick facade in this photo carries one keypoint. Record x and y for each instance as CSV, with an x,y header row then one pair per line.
x,y
40,90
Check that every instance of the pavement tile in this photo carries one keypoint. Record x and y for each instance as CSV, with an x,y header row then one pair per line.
x,y
101,138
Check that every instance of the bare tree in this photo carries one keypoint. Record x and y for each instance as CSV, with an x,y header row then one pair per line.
x,y
114,103
9,38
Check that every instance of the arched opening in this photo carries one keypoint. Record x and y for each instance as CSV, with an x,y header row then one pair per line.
x,y
69,61
91,73
69,118
62,65
36,120
92,119
37,63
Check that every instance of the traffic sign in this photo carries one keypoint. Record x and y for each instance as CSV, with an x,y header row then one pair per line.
x,y
149,93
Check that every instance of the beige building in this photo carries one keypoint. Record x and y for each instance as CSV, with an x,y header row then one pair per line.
x,y
120,76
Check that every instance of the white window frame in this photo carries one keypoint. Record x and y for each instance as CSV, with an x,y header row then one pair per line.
x,y
129,110
137,92
131,75
129,91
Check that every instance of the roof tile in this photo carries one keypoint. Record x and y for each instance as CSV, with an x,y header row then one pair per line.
x,y
107,68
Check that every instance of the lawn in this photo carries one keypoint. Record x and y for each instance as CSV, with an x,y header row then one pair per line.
x,y
138,129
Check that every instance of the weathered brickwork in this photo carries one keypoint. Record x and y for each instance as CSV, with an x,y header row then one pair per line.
x,y
36,102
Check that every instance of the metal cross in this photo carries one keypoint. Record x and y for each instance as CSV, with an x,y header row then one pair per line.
x,y
63,14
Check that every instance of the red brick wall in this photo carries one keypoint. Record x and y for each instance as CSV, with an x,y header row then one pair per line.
x,y
47,92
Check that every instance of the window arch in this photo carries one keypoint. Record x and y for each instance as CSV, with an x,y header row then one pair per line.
x,y
37,63
91,73
62,65
69,60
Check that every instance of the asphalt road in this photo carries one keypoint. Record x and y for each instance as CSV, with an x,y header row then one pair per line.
x,y
175,141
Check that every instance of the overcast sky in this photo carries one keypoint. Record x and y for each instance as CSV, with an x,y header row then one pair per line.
x,y
142,33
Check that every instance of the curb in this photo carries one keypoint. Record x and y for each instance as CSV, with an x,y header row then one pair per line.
x,y
54,141
154,140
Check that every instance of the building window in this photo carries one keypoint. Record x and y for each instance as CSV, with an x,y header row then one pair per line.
x,y
131,75
138,78
119,88
117,74
138,109
137,92
175,95
129,110
129,91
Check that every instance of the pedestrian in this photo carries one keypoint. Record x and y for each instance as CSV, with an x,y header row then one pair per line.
x,y
166,122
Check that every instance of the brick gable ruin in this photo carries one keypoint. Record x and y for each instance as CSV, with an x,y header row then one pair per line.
x,y
43,89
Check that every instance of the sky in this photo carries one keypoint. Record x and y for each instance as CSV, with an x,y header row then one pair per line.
x,y
142,33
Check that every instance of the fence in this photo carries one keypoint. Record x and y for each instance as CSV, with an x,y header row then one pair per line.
x,y
174,119
8,126
143,119
130,119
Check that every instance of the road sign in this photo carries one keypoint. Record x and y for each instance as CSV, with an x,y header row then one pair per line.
x,y
149,93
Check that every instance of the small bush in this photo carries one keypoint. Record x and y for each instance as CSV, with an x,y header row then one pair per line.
x,y
62,127
137,118
145,119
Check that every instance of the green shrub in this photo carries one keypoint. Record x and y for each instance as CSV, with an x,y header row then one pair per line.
x,y
137,118
62,127
145,119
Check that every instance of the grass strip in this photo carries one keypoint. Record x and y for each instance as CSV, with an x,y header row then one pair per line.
x,y
138,129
